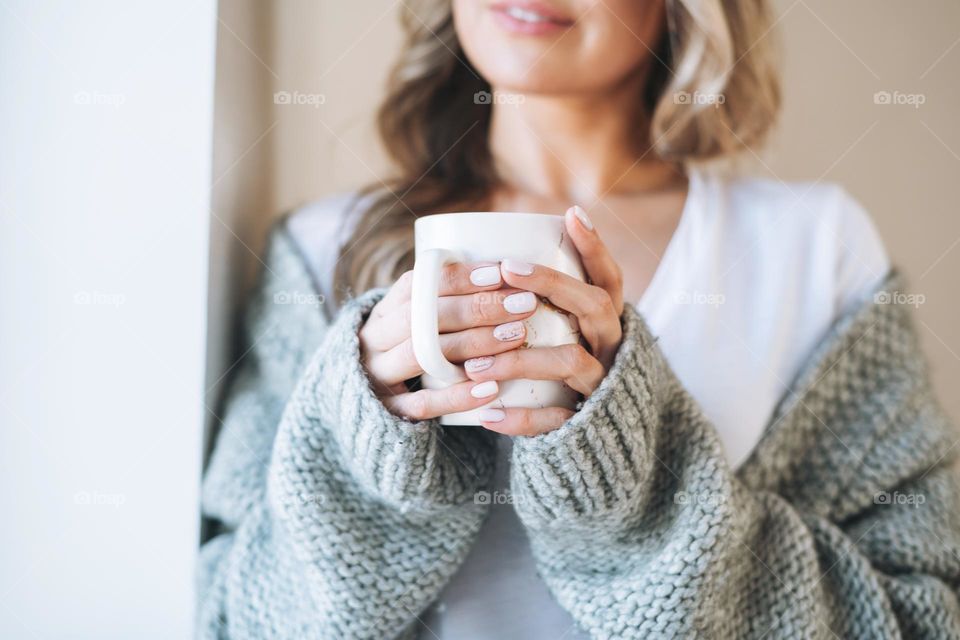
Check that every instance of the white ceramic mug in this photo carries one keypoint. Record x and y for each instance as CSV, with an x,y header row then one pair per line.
x,y
491,237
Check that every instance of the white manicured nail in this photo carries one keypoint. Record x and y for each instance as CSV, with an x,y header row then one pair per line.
x,y
509,331
491,415
478,364
520,302
485,276
518,267
484,389
582,217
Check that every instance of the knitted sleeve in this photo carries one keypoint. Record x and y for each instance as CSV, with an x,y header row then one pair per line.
x,y
843,524
337,519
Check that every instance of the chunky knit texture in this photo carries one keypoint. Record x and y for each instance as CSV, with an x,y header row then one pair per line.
x,y
340,520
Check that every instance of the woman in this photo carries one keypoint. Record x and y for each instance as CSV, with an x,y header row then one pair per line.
x,y
757,454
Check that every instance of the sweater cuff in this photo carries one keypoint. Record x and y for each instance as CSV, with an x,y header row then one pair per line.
x,y
596,465
411,465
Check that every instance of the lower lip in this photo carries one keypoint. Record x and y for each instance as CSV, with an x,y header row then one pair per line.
x,y
514,25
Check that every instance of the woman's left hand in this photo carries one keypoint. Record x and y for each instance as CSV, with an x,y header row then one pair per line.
x,y
597,307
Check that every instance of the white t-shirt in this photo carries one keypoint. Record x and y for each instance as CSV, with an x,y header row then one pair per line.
x,y
754,276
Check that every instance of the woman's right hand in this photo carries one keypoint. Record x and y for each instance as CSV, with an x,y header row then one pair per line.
x,y
477,318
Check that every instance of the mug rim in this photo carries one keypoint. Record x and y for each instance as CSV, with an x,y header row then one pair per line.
x,y
525,214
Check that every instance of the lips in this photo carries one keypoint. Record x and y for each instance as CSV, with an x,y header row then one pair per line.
x,y
531,18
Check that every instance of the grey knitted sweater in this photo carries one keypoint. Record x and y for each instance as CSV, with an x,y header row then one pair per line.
x,y
339,520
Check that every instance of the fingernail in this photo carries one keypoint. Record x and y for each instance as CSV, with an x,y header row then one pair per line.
x,y
520,302
491,415
518,267
582,217
509,331
485,276
478,364
484,389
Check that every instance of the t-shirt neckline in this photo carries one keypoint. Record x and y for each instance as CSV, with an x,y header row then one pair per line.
x,y
652,295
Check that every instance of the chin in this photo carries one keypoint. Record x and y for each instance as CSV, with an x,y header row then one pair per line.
x,y
535,46
522,74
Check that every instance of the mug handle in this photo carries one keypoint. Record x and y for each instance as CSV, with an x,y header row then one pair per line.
x,y
424,325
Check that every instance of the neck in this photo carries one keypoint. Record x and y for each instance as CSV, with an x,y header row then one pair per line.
x,y
577,148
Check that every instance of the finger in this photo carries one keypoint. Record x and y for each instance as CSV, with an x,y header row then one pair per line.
x,y
388,304
524,422
595,310
480,341
457,278
431,403
461,278
569,363
485,309
455,313
600,266
399,363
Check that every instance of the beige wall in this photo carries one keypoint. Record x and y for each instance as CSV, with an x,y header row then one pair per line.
x,y
902,162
